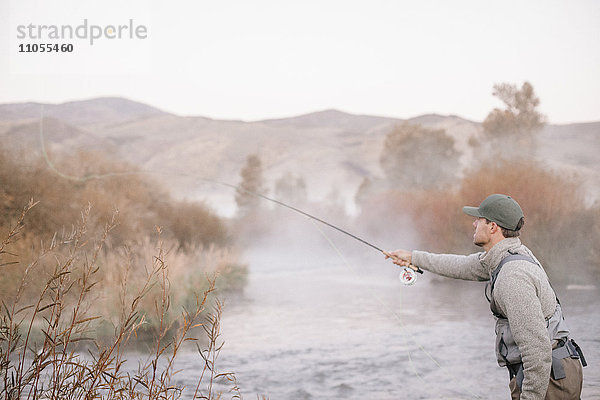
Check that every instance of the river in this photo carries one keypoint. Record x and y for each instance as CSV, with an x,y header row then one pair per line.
x,y
317,326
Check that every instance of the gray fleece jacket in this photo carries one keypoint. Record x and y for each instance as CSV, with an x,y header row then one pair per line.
x,y
522,293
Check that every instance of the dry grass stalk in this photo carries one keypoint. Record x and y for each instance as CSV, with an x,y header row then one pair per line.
x,y
56,367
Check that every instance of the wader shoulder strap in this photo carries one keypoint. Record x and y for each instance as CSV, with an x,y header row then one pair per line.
x,y
511,257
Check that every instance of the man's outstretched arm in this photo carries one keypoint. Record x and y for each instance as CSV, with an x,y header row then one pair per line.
x,y
450,265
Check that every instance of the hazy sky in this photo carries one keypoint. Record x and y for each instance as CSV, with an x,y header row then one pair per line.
x,y
263,59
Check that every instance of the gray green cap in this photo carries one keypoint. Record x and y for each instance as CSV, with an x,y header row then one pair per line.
x,y
498,208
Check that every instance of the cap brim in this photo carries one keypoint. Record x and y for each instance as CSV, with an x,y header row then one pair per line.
x,y
472,211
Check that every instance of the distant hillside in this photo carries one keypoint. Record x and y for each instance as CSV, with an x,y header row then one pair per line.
x,y
58,134
332,119
331,150
84,112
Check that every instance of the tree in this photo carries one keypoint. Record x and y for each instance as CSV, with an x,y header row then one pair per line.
x,y
291,189
516,126
418,157
252,182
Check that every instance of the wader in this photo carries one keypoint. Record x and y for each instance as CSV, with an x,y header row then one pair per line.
x,y
567,358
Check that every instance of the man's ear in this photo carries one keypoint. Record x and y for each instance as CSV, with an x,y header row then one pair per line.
x,y
494,227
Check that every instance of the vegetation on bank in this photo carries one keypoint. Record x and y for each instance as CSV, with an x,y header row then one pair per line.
x,y
101,259
195,240
69,360
561,226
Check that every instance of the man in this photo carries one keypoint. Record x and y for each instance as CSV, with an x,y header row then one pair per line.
x,y
532,339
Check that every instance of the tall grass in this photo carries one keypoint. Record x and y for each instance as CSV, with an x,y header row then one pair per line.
x,y
48,344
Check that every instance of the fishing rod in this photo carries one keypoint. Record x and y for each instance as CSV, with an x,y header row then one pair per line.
x,y
407,276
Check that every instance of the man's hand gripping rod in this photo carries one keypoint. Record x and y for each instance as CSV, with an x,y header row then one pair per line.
x,y
402,263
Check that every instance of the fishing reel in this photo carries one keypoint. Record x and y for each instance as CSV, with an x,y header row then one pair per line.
x,y
408,273
408,276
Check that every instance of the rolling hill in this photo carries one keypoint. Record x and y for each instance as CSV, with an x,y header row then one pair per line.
x,y
331,150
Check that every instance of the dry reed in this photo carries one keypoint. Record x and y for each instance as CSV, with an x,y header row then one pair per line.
x,y
66,360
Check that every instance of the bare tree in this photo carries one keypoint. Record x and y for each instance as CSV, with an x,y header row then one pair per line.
x,y
291,188
252,182
515,127
418,157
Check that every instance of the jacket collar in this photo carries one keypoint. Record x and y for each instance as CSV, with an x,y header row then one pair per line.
x,y
492,258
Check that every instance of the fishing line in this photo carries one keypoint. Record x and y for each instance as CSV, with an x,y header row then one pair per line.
x,y
407,276
71,177
379,300
394,313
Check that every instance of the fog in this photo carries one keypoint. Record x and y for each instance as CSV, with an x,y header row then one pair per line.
x,y
382,118
324,316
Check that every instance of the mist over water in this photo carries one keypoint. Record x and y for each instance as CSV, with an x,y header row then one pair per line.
x,y
312,324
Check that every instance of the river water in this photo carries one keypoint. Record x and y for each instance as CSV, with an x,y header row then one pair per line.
x,y
313,325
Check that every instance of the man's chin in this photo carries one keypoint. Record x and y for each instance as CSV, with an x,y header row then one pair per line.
x,y
478,244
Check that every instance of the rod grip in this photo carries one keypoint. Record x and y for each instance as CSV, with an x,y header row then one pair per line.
x,y
411,266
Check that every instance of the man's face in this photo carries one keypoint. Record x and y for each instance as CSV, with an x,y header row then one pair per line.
x,y
482,234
